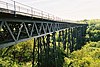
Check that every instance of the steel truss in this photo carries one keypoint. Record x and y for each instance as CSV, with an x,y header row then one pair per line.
x,y
14,31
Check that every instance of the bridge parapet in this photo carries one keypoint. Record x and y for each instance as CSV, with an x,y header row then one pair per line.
x,y
21,9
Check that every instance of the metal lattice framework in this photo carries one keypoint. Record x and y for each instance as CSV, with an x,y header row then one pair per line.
x,y
15,31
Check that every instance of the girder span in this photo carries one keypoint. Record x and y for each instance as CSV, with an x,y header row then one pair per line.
x,y
16,31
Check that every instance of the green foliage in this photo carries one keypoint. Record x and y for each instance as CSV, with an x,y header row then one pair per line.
x,y
93,31
19,55
88,56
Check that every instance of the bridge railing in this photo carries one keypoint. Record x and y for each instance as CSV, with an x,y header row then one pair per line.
x,y
18,8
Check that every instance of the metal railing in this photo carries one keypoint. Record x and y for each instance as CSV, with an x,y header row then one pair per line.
x,y
19,8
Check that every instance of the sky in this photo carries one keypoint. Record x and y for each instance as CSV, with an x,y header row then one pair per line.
x,y
67,9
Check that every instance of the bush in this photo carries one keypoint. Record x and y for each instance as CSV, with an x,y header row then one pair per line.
x,y
88,56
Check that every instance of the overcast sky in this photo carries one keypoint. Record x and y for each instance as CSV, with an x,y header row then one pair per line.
x,y
67,9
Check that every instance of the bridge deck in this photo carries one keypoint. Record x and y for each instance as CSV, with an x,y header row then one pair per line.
x,y
26,11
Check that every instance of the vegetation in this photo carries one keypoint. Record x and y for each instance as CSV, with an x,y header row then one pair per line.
x,y
19,55
88,56
93,31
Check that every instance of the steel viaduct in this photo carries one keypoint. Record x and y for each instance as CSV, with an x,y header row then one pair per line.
x,y
18,24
